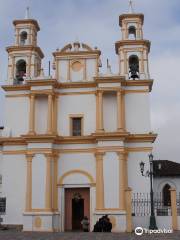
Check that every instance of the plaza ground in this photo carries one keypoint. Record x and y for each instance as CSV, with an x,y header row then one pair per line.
x,y
8,235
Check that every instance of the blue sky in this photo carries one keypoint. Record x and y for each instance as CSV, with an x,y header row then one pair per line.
x,y
96,22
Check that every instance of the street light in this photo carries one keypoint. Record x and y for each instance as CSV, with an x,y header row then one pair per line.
x,y
149,174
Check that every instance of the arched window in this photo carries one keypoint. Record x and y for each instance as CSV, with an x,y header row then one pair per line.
x,y
23,38
166,195
133,67
20,71
132,33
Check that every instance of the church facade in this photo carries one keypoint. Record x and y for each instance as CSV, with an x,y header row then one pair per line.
x,y
72,143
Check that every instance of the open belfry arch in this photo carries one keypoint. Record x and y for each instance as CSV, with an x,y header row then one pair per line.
x,y
75,138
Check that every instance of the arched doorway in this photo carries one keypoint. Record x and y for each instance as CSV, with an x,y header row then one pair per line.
x,y
166,195
77,205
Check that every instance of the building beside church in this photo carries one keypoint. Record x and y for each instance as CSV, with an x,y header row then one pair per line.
x,y
72,142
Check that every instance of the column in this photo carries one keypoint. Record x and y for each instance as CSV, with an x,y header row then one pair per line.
x,y
28,67
119,112
99,181
32,115
122,179
48,191
55,180
55,114
12,67
123,116
99,111
50,107
174,209
29,183
128,193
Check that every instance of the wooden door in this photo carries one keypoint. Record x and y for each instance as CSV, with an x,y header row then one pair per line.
x,y
77,205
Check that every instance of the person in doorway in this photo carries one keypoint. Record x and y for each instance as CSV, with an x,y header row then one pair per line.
x,y
85,224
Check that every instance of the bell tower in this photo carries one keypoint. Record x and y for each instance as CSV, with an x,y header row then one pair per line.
x,y
24,57
133,49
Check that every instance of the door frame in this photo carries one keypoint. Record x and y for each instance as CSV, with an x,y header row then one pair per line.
x,y
61,202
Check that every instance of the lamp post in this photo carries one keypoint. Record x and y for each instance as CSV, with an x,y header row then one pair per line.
x,y
149,173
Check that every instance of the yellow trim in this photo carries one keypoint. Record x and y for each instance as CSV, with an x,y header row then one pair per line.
x,y
77,93
76,171
29,159
137,91
99,181
139,149
17,95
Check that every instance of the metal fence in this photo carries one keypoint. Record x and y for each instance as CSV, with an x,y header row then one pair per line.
x,y
141,205
178,204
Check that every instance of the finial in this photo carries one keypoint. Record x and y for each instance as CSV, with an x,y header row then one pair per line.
x,y
27,13
131,9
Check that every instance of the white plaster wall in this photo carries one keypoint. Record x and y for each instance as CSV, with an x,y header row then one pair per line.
x,y
136,181
41,115
110,112
79,161
163,222
90,69
38,181
14,187
76,76
111,180
17,115
63,69
137,113
77,104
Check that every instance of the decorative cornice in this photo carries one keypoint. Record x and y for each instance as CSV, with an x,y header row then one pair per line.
x,y
118,44
27,21
109,79
93,138
42,82
75,53
130,16
77,85
25,48
139,83
151,137
15,87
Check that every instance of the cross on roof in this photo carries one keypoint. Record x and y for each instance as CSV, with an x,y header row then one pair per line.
x,y
131,9
27,13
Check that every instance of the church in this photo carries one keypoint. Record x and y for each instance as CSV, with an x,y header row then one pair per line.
x,y
72,141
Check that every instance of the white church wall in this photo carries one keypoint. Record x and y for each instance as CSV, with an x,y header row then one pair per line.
x,y
137,113
111,180
41,115
14,187
17,115
136,181
77,161
163,222
91,65
110,112
38,181
77,104
62,70
76,76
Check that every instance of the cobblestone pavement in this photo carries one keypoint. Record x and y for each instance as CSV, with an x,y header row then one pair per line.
x,y
7,235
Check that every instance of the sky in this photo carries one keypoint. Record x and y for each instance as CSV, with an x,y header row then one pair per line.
x,y
95,22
